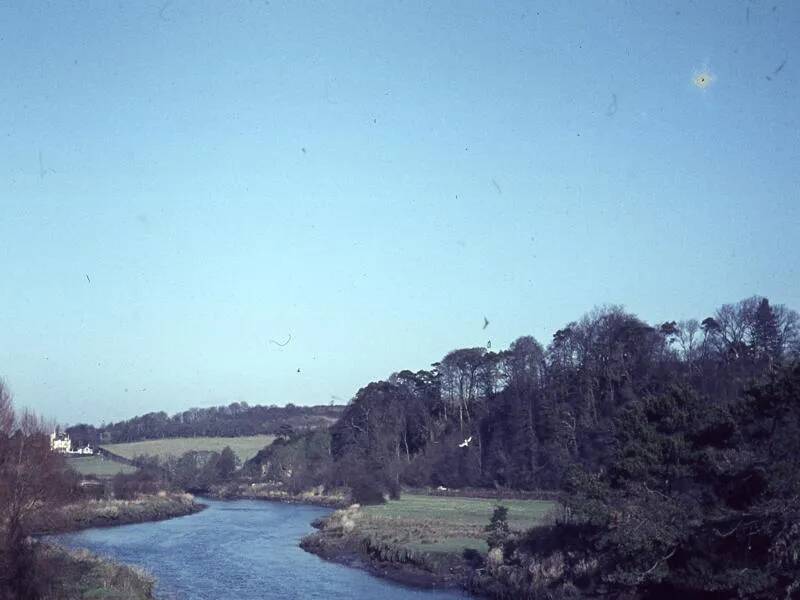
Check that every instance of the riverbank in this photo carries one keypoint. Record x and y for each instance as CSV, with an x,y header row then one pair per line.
x,y
336,541
63,574
243,549
109,513
317,496
339,540
421,539
77,575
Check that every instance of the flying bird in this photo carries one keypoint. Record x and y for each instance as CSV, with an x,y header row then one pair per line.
x,y
465,443
485,322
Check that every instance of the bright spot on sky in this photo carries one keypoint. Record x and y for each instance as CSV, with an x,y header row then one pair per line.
x,y
703,79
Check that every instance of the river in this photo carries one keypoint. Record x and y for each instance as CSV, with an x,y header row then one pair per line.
x,y
238,550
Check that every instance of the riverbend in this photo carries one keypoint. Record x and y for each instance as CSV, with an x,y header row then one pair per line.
x,y
238,550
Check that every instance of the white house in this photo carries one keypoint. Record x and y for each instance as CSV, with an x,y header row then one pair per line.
x,y
60,442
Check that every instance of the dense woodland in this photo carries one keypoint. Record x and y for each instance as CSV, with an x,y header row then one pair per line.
x,y
236,419
523,417
676,447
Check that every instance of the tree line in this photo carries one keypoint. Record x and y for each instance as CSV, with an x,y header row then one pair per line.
x,y
236,419
523,417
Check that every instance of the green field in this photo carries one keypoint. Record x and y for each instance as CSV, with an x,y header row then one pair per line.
x,y
444,524
98,466
245,447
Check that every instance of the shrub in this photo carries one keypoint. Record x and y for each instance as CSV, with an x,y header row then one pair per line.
x,y
367,491
128,486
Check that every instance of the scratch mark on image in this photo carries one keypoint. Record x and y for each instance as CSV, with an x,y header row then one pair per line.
x,y
328,98
777,70
42,170
612,107
289,339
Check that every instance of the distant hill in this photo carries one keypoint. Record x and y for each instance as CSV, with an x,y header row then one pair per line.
x,y
237,419
245,447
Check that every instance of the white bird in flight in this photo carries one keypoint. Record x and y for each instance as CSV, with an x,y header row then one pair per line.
x,y
465,443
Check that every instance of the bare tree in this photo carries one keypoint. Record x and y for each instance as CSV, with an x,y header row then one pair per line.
x,y
788,329
31,478
687,339
460,380
6,410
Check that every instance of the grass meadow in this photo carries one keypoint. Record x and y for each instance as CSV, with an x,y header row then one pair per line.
x,y
98,466
245,447
446,524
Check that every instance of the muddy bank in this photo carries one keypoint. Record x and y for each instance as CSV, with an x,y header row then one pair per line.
x,y
109,513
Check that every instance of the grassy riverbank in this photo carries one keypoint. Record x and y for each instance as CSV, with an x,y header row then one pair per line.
x,y
445,524
62,574
418,540
275,493
79,575
107,513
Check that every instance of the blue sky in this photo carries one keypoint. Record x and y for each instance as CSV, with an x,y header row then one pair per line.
x,y
181,182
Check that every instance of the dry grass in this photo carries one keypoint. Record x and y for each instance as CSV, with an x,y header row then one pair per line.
x,y
80,575
99,513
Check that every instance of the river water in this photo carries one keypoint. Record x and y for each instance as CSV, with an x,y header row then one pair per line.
x,y
239,550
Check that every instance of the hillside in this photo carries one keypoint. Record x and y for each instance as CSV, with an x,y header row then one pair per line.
x,y
245,447
673,448
235,420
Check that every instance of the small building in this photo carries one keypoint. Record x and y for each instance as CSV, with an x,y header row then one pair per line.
x,y
60,442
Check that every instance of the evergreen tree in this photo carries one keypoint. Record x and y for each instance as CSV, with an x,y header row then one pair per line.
x,y
497,530
765,338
